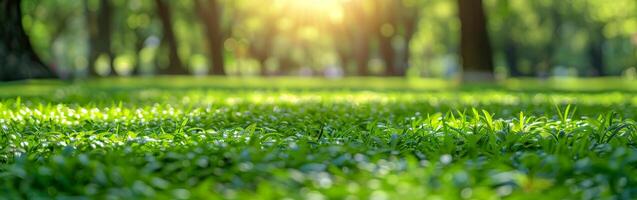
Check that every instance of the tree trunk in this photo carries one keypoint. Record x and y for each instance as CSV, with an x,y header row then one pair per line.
x,y
596,56
345,40
596,52
286,64
210,14
511,57
92,39
362,36
261,48
406,59
175,66
387,53
100,35
362,54
475,47
410,30
344,59
387,12
17,59
139,46
509,45
543,70
263,71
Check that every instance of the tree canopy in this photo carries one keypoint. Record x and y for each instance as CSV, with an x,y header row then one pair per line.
x,y
329,38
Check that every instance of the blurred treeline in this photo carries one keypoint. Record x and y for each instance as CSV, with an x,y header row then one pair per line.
x,y
535,38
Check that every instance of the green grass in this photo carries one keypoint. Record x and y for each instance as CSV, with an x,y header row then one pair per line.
x,y
216,138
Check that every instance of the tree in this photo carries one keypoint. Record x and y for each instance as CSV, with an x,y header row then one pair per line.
x,y
507,44
596,50
342,37
554,18
100,25
261,50
361,32
17,58
261,46
165,16
385,30
210,14
346,43
597,17
396,19
475,46
411,14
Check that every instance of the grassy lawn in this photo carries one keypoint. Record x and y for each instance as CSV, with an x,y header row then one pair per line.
x,y
219,138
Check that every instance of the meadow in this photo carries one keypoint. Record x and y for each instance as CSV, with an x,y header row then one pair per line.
x,y
355,138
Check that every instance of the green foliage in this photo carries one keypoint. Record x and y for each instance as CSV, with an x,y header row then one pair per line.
x,y
180,138
536,38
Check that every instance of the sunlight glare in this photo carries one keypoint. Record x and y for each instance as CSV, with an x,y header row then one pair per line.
x,y
320,9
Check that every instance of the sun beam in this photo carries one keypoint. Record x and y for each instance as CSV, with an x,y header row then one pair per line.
x,y
322,10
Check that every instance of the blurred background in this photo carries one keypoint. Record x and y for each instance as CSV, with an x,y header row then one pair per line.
x,y
332,38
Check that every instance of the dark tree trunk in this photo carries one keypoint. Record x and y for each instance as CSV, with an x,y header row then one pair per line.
x,y
362,54
410,30
210,14
100,26
548,60
139,46
361,36
406,59
175,66
511,57
475,48
510,47
596,56
387,53
17,59
93,52
596,52
387,12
